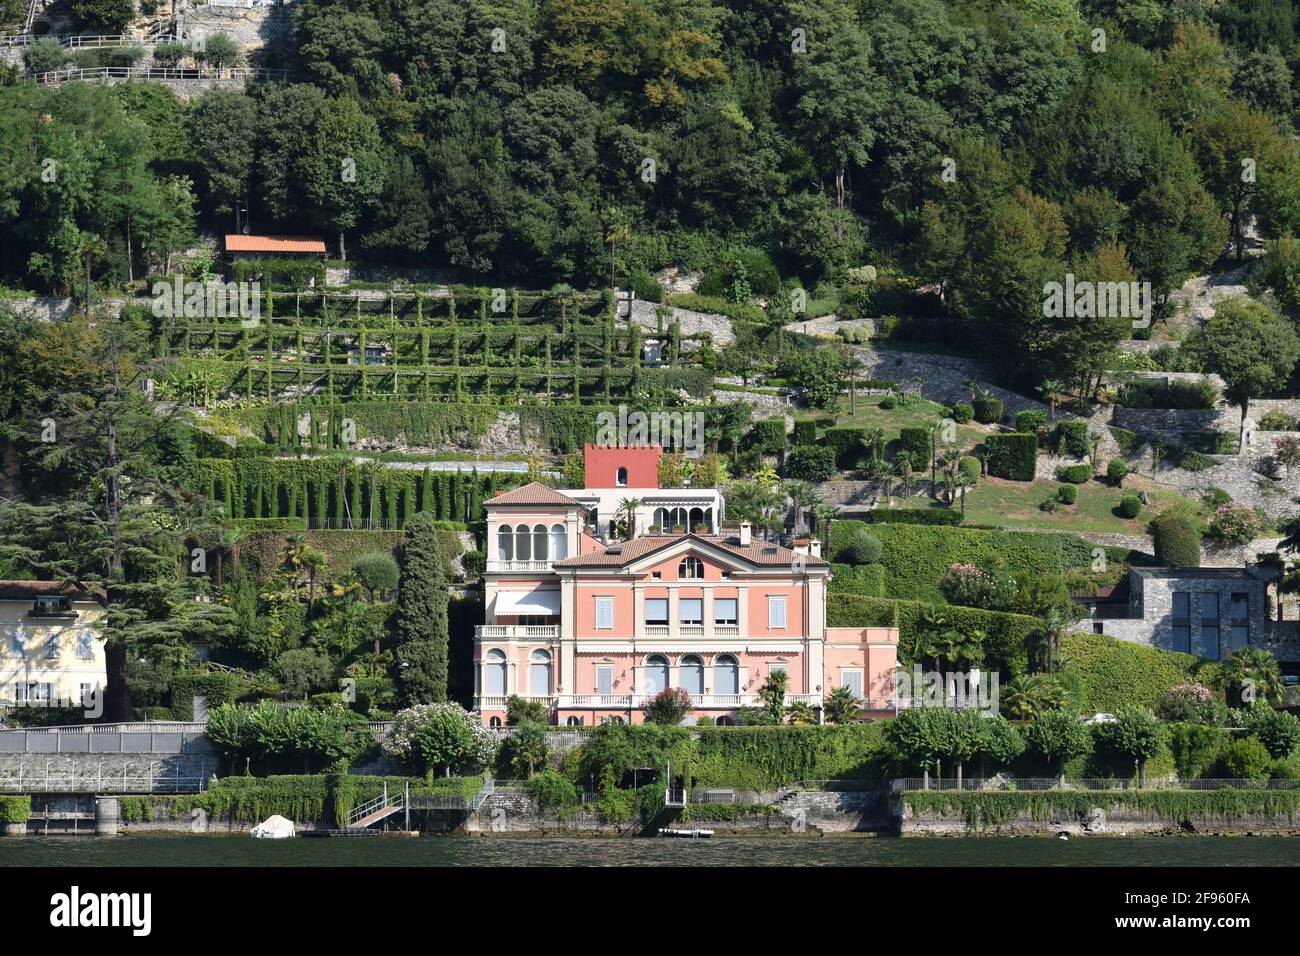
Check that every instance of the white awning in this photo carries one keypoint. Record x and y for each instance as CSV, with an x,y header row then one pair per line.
x,y
526,602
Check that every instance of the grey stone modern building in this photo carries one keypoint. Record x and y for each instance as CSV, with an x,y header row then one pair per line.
x,y
1210,612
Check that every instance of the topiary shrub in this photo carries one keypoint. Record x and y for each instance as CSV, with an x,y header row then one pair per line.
x,y
1067,494
1012,456
850,452
864,548
768,436
889,403
1030,420
1117,471
970,468
805,432
963,413
1177,541
1072,438
1074,474
988,410
1130,506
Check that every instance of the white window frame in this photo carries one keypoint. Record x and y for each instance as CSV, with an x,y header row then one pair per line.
x,y
775,601
603,601
666,620
608,669
86,642
681,612
735,614
861,691
53,647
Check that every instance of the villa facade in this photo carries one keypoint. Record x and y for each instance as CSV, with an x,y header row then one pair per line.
x,y
50,652
595,627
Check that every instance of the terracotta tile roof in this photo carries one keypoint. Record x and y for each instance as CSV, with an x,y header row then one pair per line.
x,y
27,590
533,493
238,243
758,552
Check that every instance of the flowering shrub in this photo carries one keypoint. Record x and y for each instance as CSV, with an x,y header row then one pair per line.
x,y
1191,704
969,586
441,737
668,706
1233,524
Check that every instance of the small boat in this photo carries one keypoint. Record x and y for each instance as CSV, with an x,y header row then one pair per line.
x,y
686,834
273,828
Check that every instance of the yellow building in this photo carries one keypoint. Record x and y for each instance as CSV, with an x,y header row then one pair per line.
x,y
50,653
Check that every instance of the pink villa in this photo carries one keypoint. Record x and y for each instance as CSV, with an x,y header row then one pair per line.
x,y
594,627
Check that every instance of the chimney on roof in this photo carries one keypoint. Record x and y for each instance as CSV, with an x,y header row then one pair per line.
x,y
746,536
815,547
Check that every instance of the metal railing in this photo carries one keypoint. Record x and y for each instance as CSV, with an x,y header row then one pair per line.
x,y
381,802
1052,783
81,40
139,727
97,781
156,73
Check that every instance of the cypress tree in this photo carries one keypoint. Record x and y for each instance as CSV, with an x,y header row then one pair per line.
x,y
444,497
403,505
475,495
390,504
228,495
457,498
322,490
293,499
427,502
355,488
422,629
339,488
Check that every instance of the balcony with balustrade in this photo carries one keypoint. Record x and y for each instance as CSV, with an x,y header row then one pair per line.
x,y
517,632
634,701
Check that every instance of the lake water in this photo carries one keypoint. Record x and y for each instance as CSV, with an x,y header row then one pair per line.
x,y
722,851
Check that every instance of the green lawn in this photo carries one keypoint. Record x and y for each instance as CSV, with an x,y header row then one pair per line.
x,y
918,413
1014,504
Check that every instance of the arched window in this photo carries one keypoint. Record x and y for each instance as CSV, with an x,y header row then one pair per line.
x,y
494,674
574,721
505,543
620,477
539,542
661,520
692,669
523,543
494,722
539,674
656,674
559,543
708,519
724,721
697,519
691,567
726,675
611,720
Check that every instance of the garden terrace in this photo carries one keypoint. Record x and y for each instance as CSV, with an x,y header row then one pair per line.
x,y
418,347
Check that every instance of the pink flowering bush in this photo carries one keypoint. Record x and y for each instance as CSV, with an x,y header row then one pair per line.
x,y
971,586
1233,524
1191,704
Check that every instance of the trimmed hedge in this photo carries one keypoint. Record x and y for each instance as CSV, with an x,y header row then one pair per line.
x,y
1012,455
944,516
768,436
1004,641
805,432
811,463
1130,506
963,413
848,447
1072,438
867,580
1177,541
1074,474
1030,420
758,758
916,442
915,557
1122,674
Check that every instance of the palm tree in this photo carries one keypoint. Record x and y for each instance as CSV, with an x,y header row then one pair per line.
x,y
315,563
801,493
625,523
231,542
1053,625
1252,674
853,365
904,466
801,715
841,706
347,587
1031,695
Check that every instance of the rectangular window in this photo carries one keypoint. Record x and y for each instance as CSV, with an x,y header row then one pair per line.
x,y
15,643
690,610
852,679
1239,613
1210,626
605,613
1181,621
52,647
656,611
86,645
86,694
604,679
775,667
724,611
776,611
